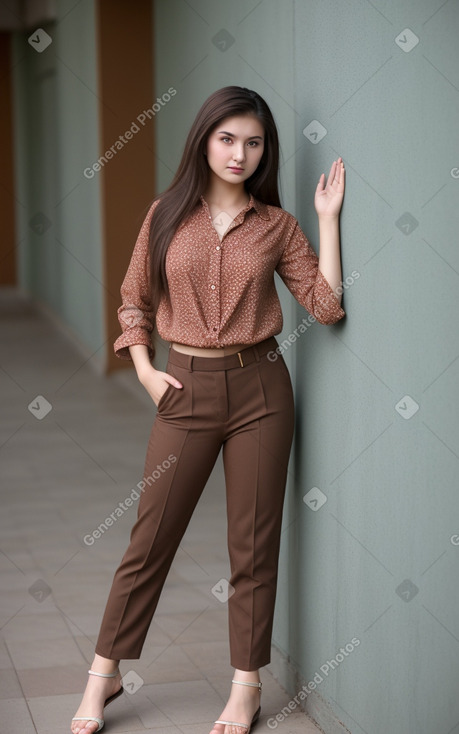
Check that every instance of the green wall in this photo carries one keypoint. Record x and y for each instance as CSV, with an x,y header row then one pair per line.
x,y
58,209
376,561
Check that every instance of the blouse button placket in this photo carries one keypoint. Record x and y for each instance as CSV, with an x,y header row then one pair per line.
x,y
215,282
215,273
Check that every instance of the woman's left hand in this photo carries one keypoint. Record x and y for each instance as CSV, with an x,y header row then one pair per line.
x,y
328,199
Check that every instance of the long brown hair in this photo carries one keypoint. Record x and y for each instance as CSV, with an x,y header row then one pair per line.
x,y
191,178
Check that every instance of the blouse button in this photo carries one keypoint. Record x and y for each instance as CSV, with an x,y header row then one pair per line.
x,y
218,247
213,287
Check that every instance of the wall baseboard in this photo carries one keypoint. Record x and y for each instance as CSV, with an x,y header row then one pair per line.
x,y
314,705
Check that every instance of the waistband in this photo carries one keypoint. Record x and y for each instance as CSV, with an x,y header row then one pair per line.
x,y
230,361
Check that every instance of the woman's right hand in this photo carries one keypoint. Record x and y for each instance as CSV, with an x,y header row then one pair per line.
x,y
156,382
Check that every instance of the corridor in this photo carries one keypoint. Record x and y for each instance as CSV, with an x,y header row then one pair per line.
x,y
72,450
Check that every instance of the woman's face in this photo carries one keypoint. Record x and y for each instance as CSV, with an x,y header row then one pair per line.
x,y
235,147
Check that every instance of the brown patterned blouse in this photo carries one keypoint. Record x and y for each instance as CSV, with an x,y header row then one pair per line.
x,y
223,292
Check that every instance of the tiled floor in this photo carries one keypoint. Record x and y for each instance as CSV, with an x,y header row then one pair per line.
x,y
61,475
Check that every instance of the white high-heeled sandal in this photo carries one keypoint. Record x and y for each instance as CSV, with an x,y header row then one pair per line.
x,y
100,722
256,714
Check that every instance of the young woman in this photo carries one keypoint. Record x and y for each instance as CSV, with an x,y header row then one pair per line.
x,y
202,269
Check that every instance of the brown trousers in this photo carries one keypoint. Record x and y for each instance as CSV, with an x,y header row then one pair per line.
x,y
248,410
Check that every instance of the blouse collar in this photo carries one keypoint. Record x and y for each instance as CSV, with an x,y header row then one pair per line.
x,y
259,206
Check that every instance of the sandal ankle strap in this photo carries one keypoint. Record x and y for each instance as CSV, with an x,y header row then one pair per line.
x,y
248,683
104,675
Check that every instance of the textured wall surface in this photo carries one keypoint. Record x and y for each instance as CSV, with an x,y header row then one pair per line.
x,y
58,208
377,430
370,548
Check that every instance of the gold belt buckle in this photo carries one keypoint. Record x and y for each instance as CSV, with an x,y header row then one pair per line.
x,y
240,359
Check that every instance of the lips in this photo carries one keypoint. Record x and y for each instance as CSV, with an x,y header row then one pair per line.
x,y
235,168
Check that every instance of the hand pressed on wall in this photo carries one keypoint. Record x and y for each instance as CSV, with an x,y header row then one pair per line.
x,y
328,199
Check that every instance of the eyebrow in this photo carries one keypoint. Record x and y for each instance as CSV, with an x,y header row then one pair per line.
x,y
225,132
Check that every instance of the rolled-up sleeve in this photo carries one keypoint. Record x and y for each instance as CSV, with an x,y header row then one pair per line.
x,y
135,314
299,269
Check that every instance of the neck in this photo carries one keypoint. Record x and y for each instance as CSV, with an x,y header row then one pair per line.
x,y
225,194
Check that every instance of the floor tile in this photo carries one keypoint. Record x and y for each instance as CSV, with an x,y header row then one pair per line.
x,y
43,653
55,586
9,684
15,717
